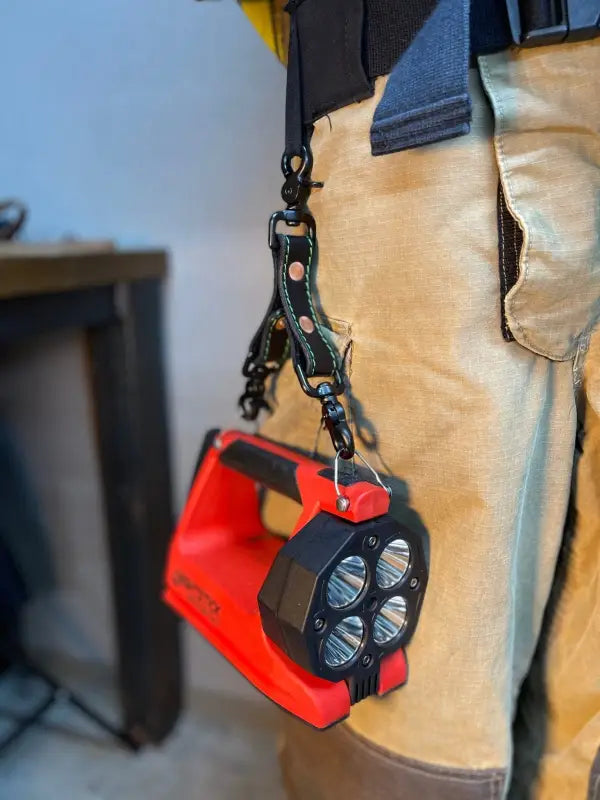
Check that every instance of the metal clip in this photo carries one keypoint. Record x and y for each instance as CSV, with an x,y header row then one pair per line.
x,y
334,420
294,217
298,182
252,401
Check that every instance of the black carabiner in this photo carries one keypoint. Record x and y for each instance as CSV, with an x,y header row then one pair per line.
x,y
333,417
252,401
298,182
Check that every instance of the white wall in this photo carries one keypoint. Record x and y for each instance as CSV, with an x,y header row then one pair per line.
x,y
151,122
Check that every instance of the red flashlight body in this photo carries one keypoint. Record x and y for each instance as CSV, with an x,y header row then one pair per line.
x,y
221,554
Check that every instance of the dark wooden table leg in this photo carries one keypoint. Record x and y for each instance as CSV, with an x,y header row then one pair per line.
x,y
126,359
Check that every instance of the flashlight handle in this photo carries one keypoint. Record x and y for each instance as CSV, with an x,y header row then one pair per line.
x,y
260,463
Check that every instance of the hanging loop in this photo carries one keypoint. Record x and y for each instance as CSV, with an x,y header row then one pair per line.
x,y
336,474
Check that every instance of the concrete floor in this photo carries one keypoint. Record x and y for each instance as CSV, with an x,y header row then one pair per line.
x,y
223,748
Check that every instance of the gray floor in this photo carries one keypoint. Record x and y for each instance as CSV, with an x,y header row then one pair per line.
x,y
222,749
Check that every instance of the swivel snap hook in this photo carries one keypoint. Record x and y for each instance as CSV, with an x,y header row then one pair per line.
x,y
298,182
333,417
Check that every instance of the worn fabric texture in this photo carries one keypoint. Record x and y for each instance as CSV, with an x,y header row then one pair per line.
x,y
476,432
557,732
547,110
358,768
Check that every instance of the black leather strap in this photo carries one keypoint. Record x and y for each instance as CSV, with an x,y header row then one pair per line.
x,y
331,34
274,343
310,349
290,326
269,346
267,353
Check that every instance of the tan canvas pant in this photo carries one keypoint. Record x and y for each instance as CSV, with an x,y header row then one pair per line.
x,y
478,433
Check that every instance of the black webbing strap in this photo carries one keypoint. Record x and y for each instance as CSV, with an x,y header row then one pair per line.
x,y
390,26
294,124
331,36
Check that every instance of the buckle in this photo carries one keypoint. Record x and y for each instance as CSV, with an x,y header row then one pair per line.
x,y
564,21
293,217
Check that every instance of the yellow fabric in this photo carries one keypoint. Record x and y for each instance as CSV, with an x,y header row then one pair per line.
x,y
572,658
477,433
269,19
408,260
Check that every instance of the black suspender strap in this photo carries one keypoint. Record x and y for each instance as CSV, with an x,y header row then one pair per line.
x,y
291,325
294,118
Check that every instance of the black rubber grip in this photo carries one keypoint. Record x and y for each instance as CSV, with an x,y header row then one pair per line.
x,y
269,469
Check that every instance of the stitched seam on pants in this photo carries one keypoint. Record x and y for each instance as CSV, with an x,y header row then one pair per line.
x,y
503,256
499,135
500,783
595,787
504,173
515,551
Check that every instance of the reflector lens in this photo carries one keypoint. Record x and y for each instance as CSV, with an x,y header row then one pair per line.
x,y
344,642
393,563
390,621
346,582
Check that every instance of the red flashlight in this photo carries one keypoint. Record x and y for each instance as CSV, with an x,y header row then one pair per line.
x,y
316,622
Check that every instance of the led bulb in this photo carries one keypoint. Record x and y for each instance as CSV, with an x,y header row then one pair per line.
x,y
393,563
344,642
346,582
390,621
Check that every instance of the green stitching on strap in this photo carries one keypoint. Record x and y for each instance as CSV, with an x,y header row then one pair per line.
x,y
296,323
270,333
310,303
284,354
286,351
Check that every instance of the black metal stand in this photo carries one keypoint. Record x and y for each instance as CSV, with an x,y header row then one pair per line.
x,y
57,692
